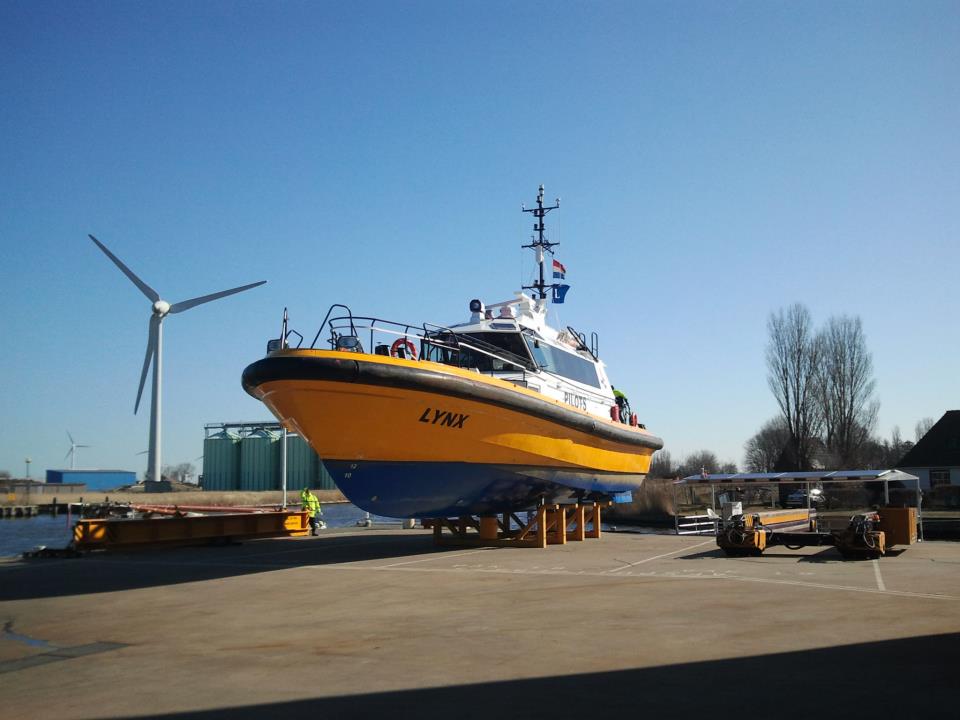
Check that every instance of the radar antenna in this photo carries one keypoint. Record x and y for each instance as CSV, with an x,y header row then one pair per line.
x,y
540,242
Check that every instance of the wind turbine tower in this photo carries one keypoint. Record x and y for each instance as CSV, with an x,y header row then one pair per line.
x,y
72,452
154,355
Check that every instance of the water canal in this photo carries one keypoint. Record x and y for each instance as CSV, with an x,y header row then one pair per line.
x,y
18,535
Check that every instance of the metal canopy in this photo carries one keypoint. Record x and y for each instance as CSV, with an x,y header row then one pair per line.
x,y
799,477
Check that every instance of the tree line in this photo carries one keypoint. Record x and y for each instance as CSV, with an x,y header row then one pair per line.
x,y
823,384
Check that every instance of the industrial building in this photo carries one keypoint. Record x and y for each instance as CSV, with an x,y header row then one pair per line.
x,y
248,456
93,479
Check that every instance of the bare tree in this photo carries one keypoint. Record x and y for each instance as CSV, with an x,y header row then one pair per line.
x,y
662,465
180,472
895,439
764,449
701,461
845,384
923,427
881,454
793,358
898,448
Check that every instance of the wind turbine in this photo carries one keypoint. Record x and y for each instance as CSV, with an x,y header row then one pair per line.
x,y
154,354
72,452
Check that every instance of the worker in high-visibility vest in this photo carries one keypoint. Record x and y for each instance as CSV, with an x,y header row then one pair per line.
x,y
623,406
310,503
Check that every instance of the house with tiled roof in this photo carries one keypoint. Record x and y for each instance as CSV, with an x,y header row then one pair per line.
x,y
935,459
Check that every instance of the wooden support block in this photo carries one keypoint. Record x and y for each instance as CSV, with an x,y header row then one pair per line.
x,y
541,526
557,526
578,518
594,517
521,525
489,528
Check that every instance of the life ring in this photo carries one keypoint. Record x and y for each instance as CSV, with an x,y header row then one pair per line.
x,y
411,349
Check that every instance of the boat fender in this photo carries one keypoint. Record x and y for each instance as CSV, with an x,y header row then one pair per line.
x,y
410,350
633,420
615,413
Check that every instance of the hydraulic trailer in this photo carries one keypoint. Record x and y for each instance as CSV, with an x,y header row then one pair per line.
x,y
868,536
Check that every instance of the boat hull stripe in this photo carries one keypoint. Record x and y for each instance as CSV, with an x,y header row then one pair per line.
x,y
407,375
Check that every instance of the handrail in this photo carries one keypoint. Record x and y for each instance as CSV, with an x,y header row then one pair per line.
x,y
426,333
582,339
430,334
696,525
316,337
524,367
483,347
293,332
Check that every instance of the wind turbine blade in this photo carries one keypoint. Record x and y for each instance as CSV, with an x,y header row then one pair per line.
x,y
68,453
147,358
187,304
144,288
72,441
85,446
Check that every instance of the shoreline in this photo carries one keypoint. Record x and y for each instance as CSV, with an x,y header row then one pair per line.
x,y
225,498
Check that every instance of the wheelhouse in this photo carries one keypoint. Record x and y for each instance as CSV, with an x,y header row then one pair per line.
x,y
486,351
559,361
516,345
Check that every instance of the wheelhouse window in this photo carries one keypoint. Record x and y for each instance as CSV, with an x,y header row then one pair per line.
x,y
485,351
559,361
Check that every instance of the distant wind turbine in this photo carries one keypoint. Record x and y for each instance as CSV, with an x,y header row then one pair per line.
x,y
72,452
154,354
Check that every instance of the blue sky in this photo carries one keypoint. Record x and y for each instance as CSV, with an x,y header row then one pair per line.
x,y
716,161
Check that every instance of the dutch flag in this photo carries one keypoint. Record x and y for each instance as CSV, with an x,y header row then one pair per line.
x,y
559,271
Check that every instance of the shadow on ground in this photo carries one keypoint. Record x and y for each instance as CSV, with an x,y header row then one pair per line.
x,y
825,554
109,572
909,678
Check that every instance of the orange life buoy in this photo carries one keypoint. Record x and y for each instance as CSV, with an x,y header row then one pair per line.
x,y
409,347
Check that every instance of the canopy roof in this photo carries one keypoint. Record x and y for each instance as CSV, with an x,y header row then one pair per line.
x,y
798,477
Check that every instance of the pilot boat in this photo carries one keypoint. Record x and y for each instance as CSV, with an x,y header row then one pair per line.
x,y
495,414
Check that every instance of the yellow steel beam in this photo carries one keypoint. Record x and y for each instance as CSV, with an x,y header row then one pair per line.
x,y
108,533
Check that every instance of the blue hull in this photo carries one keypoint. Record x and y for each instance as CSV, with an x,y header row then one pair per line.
x,y
430,490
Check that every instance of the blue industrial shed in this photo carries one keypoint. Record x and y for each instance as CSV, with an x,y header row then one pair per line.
x,y
93,479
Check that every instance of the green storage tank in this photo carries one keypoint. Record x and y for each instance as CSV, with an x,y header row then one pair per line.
x,y
221,461
260,461
324,481
301,464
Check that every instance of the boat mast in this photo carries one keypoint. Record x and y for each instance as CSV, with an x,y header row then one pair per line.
x,y
540,243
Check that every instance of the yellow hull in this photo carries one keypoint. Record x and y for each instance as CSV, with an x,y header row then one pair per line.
x,y
353,421
410,438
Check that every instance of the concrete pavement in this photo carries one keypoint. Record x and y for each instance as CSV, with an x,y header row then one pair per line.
x,y
365,622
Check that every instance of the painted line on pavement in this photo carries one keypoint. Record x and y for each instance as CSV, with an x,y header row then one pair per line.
x,y
876,572
439,556
657,557
643,575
